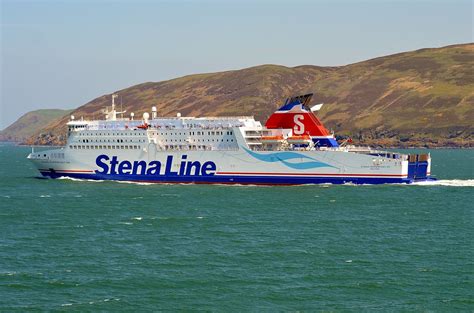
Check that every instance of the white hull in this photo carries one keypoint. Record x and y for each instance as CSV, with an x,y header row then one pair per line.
x,y
241,166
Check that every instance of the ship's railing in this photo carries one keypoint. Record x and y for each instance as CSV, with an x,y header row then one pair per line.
x,y
197,148
161,126
361,150
195,126
224,118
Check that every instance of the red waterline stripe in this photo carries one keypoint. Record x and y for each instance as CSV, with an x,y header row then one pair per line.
x,y
199,182
67,171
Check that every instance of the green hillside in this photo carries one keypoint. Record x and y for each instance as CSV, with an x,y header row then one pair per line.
x,y
412,98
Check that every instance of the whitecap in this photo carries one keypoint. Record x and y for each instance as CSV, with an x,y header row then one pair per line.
x,y
45,196
349,184
134,183
239,185
348,261
139,218
200,217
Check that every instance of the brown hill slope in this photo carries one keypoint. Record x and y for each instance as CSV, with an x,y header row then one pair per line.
x,y
411,98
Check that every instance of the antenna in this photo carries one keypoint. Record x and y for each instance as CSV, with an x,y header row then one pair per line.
x,y
113,100
121,107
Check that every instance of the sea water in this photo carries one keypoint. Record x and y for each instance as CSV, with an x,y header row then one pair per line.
x,y
85,245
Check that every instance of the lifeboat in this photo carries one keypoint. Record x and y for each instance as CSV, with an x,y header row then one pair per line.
x,y
272,139
304,139
143,126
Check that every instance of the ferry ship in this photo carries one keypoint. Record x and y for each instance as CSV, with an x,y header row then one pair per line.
x,y
293,147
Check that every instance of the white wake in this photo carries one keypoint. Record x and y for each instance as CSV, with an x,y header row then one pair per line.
x,y
80,179
447,182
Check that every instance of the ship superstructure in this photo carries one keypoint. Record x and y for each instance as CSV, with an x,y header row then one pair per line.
x,y
293,147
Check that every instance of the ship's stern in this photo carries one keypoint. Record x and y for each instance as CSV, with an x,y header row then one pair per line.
x,y
419,167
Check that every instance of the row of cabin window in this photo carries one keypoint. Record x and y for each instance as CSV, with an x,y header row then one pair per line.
x,y
198,147
192,133
110,134
103,147
213,133
209,140
113,140
57,155
210,133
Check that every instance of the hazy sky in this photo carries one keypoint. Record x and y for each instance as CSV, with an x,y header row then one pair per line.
x,y
62,54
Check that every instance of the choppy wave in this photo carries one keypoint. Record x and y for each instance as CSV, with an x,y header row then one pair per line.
x,y
447,182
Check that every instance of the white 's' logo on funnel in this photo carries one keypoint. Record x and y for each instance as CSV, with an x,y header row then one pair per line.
x,y
298,129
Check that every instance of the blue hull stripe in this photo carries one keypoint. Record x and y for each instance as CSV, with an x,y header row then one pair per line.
x,y
233,179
